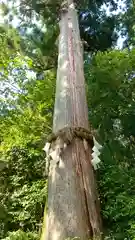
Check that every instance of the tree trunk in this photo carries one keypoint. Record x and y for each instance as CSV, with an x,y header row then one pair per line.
x,y
73,206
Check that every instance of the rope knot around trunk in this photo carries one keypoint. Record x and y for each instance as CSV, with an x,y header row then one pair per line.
x,y
68,134
58,142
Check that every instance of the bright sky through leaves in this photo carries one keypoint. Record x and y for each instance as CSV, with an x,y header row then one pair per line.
x,y
16,21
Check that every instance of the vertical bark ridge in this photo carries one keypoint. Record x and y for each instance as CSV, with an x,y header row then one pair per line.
x,y
90,192
82,183
70,78
91,196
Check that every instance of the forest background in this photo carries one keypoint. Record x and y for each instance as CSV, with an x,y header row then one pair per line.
x,y
28,65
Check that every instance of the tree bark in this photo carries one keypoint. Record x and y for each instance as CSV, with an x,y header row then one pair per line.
x,y
73,205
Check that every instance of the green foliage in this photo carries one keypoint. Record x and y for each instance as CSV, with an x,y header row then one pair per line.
x,y
128,27
111,84
23,190
25,121
20,235
96,28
